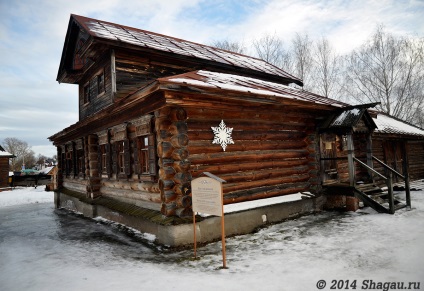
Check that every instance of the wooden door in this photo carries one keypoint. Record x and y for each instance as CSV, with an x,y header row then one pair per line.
x,y
328,151
393,156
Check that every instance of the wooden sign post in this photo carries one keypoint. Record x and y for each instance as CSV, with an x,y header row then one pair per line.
x,y
207,198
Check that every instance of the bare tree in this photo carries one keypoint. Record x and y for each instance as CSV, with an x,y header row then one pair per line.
x,y
231,46
390,70
21,150
270,49
327,68
302,59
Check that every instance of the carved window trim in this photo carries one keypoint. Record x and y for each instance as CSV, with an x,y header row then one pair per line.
x,y
144,147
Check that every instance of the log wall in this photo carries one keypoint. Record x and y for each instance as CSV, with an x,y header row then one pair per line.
x,y
4,172
273,152
416,159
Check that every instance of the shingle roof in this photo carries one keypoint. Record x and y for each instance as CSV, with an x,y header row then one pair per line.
x,y
142,38
208,79
391,125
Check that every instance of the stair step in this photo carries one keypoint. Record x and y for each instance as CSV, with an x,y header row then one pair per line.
x,y
382,194
400,206
369,188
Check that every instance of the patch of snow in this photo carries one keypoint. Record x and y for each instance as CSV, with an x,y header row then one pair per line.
x,y
242,206
25,195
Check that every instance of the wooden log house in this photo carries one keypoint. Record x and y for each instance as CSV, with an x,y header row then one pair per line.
x,y
4,167
147,106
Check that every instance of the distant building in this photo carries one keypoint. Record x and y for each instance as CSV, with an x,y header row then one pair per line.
x,y
4,167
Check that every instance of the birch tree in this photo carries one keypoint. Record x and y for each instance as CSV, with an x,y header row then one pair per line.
x,y
302,59
327,69
390,70
232,46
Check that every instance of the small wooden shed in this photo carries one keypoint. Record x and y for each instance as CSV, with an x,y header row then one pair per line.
x,y
4,167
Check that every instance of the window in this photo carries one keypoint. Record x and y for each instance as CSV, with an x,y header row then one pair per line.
x,y
101,83
87,93
103,159
121,157
143,154
145,157
69,163
81,163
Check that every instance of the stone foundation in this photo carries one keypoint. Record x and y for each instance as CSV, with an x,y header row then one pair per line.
x,y
178,231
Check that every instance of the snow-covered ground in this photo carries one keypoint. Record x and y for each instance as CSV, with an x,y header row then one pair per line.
x,y
25,195
293,255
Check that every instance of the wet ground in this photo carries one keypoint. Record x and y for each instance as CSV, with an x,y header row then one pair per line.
x,y
42,248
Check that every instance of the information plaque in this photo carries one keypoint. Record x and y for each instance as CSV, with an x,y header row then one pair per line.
x,y
207,196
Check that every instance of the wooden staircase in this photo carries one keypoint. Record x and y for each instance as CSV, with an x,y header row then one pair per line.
x,y
374,197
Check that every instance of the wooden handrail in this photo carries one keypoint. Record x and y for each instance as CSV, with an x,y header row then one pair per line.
x,y
369,168
389,168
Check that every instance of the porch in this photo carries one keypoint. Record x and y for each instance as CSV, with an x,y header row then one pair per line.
x,y
348,166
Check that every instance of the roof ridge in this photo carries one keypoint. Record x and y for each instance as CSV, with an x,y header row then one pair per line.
x,y
194,49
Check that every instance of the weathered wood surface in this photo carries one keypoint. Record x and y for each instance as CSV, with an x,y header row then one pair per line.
x,y
274,150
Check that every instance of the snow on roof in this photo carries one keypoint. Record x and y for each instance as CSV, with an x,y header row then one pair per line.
x,y
232,82
346,117
46,170
389,124
3,153
151,40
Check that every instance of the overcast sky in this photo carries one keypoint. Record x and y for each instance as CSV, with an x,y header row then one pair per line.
x,y
33,106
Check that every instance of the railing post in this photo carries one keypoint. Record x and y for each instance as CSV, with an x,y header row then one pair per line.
x,y
407,191
350,159
369,156
391,197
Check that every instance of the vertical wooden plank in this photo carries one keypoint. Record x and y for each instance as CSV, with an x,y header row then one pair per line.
x,y
113,73
351,162
405,166
390,189
369,156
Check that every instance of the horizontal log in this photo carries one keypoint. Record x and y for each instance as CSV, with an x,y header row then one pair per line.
x,y
265,182
182,178
251,156
184,212
165,149
166,184
163,124
182,166
166,173
166,162
183,189
248,135
131,194
183,201
178,113
180,154
260,114
205,146
264,125
167,196
178,128
246,166
179,140
265,192
168,209
264,174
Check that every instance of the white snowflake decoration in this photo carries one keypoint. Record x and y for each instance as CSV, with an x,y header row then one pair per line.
x,y
222,135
